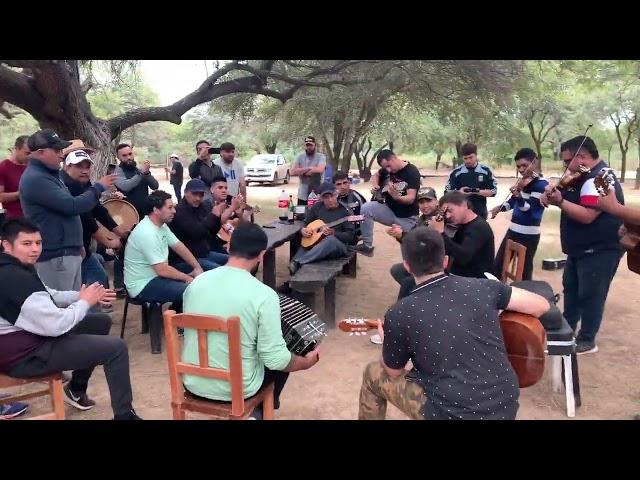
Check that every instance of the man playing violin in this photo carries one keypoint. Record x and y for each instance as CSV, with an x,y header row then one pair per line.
x,y
589,238
460,364
527,211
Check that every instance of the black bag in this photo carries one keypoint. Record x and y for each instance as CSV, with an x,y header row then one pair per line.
x,y
552,320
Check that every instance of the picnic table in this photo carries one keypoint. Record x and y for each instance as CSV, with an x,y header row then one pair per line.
x,y
281,233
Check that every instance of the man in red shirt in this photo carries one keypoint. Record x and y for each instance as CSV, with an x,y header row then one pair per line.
x,y
11,170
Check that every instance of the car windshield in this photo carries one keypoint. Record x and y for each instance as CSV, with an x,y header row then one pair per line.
x,y
260,160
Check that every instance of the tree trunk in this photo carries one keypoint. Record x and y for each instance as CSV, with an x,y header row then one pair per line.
x,y
458,154
609,155
365,173
271,148
438,157
623,165
637,182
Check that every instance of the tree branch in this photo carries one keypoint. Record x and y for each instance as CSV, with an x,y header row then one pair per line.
x,y
19,90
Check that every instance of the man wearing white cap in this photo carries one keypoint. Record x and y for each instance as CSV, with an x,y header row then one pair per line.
x,y
176,173
76,176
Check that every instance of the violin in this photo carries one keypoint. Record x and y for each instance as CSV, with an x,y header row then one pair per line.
x,y
569,180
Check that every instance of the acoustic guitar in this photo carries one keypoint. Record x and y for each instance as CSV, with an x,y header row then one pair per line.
x,y
629,233
226,230
317,225
524,336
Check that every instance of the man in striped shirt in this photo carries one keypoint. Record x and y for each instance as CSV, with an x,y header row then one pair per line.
x,y
527,213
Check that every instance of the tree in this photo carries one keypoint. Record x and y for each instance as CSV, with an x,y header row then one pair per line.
x,y
54,92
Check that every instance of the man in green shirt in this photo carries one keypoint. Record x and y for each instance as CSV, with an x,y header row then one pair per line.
x,y
265,357
147,274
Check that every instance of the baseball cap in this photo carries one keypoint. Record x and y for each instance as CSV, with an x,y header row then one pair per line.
x,y
427,192
195,185
174,155
326,187
77,144
46,138
77,156
309,139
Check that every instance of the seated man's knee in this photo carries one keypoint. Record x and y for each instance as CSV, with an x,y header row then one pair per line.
x,y
98,323
373,372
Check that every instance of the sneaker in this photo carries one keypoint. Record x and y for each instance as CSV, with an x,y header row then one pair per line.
x,y
130,415
81,401
11,410
293,267
66,377
364,249
376,339
584,346
120,293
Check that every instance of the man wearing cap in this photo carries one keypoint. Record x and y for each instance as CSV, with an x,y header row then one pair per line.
x,y
309,166
204,168
176,175
195,226
233,170
76,176
47,202
336,240
400,207
11,171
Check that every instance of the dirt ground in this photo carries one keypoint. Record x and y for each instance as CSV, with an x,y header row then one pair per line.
x,y
610,379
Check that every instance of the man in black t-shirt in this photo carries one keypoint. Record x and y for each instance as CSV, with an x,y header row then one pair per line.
x,y
348,197
401,204
589,237
460,364
176,176
472,247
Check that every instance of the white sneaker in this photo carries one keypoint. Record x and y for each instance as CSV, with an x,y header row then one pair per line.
x,y
375,339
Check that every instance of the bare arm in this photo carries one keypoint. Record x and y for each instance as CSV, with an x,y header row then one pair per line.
x,y
579,213
527,302
610,204
8,197
302,363
186,255
165,270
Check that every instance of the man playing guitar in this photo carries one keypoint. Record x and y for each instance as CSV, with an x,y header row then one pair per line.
x,y
336,241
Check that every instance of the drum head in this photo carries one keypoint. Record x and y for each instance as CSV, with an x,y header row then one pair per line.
x,y
122,212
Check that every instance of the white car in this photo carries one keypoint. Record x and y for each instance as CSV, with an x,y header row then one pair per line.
x,y
266,167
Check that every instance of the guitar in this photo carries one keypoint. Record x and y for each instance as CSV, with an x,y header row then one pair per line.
x,y
629,234
317,225
358,326
524,336
226,230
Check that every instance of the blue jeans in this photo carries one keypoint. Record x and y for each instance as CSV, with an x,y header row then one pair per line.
x,y
93,271
329,248
586,281
164,290
211,261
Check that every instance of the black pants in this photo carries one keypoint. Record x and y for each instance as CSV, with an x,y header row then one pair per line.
x,y
118,271
404,278
586,280
177,187
529,241
84,347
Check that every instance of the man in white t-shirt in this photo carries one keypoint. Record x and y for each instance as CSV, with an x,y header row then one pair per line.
x,y
233,170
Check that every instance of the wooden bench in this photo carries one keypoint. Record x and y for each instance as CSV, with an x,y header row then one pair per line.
x,y
313,276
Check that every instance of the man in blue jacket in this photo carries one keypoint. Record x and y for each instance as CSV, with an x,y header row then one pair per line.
x,y
48,203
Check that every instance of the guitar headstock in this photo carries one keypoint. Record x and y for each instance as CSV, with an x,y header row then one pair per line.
x,y
359,326
604,181
355,218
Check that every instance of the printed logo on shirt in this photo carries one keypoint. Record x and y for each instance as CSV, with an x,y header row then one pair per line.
x,y
401,187
480,178
230,175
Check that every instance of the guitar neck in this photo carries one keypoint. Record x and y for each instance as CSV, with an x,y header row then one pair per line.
x,y
336,222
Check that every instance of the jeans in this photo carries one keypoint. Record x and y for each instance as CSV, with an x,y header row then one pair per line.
x,y
85,346
211,261
329,247
178,189
118,272
529,241
404,278
381,213
93,271
586,280
61,273
164,290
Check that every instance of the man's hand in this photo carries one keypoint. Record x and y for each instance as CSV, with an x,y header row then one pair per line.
x,y
437,226
495,211
108,297
395,231
146,166
306,232
113,243
554,198
307,172
117,194
380,330
196,271
83,252
237,202
91,294
393,192
326,231
312,357
375,188
464,190
609,203
107,181
219,209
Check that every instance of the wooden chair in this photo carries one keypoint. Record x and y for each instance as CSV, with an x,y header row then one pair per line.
x,y
54,390
513,265
181,401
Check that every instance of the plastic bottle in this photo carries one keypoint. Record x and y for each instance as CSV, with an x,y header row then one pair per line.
x,y
312,199
291,213
283,206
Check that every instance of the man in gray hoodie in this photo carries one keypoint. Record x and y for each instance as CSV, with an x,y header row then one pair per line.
x,y
49,204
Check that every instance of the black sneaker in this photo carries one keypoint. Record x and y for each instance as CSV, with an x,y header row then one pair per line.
x,y
120,292
293,267
130,415
584,346
364,249
80,401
